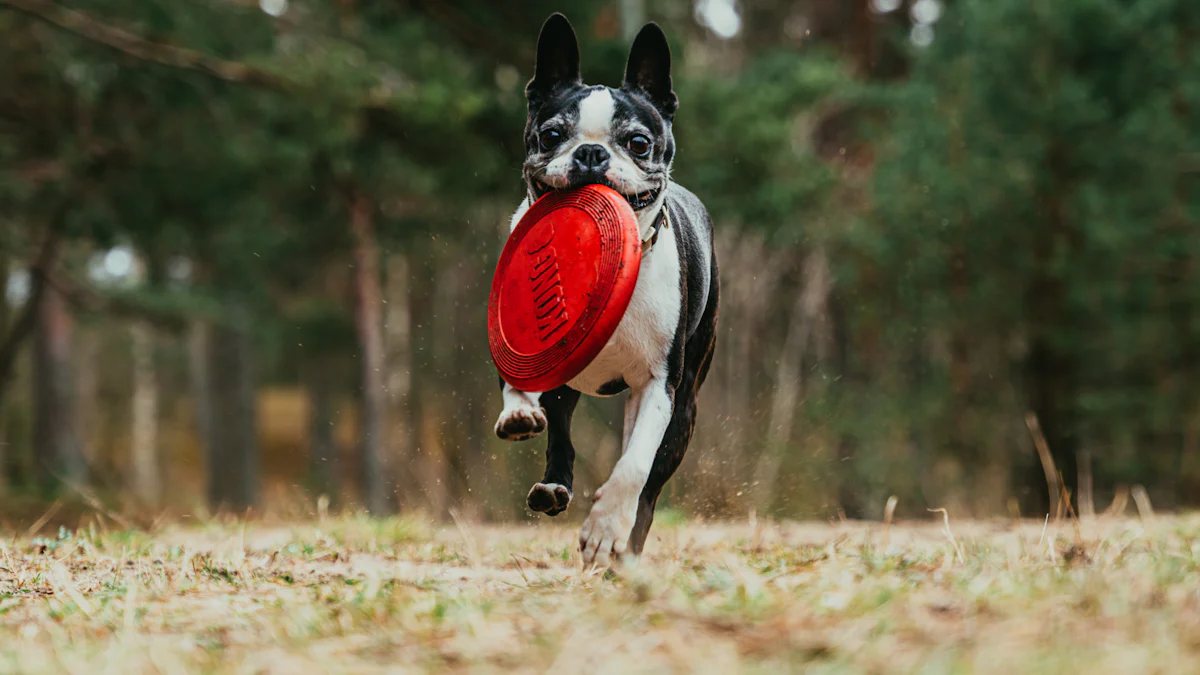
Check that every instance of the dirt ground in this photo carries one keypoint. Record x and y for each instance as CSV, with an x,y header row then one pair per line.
x,y
356,595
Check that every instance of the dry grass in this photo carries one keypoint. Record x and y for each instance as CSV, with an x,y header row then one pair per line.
x,y
360,595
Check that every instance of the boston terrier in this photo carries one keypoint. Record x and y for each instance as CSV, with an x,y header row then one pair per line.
x,y
579,134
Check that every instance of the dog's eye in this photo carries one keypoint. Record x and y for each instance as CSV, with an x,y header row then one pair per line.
x,y
639,145
549,139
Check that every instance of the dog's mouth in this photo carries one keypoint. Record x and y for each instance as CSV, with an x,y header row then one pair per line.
x,y
638,200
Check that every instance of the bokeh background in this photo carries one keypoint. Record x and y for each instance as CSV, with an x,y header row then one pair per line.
x,y
247,247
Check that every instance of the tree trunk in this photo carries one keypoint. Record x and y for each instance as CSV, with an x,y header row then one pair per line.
x,y
810,304
323,472
25,323
846,491
633,16
376,481
5,319
144,416
246,393
469,334
754,274
446,350
428,446
233,441
961,446
87,416
398,335
59,456
200,380
1051,372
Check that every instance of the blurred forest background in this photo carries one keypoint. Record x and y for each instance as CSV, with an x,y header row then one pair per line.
x,y
247,246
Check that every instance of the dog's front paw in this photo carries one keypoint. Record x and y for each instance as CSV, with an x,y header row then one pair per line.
x,y
549,498
520,424
605,533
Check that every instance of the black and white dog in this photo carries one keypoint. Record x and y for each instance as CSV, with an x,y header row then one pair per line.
x,y
577,135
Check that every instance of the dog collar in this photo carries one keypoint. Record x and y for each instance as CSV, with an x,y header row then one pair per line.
x,y
659,223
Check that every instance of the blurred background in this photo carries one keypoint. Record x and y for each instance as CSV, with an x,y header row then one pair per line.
x,y
247,246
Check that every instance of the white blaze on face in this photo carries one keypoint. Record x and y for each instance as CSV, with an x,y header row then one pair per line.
x,y
594,124
595,117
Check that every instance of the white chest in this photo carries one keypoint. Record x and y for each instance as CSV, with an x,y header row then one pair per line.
x,y
639,348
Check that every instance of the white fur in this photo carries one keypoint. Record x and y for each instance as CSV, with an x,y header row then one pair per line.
x,y
606,531
595,117
638,349
518,215
514,399
520,404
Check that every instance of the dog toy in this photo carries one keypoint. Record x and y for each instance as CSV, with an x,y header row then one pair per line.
x,y
565,277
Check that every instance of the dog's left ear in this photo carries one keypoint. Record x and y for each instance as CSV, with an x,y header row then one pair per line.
x,y
649,70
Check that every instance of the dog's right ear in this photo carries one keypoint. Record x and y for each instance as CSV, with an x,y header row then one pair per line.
x,y
649,70
557,60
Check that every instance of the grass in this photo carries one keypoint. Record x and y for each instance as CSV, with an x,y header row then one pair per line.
x,y
353,594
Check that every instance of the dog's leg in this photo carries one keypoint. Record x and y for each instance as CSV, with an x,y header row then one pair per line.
x,y
608,527
670,454
522,417
553,494
697,360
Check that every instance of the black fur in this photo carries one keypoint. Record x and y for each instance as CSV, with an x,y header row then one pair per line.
x,y
613,388
560,452
649,70
557,61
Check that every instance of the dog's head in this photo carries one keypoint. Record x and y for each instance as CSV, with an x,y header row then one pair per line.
x,y
579,134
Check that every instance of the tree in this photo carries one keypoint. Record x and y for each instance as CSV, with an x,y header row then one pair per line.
x,y
1033,202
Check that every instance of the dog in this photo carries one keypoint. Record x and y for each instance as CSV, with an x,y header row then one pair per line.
x,y
579,134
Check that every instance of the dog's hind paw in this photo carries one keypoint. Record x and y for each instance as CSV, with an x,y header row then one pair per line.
x,y
549,498
519,424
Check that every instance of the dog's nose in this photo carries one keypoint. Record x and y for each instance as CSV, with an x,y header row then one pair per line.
x,y
591,158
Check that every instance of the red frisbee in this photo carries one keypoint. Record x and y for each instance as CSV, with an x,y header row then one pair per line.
x,y
563,282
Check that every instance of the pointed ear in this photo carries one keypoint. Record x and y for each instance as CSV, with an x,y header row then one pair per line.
x,y
557,59
649,70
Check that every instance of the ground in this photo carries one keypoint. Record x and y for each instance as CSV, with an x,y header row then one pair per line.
x,y
353,594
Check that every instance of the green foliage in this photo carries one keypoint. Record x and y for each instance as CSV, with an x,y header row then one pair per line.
x,y
1018,233
744,145
1033,200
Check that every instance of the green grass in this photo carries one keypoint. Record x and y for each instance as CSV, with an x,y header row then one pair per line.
x,y
355,594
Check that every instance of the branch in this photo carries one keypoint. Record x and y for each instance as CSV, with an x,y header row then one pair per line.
x,y
47,169
130,44
121,40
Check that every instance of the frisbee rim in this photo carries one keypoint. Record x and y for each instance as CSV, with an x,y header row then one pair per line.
x,y
609,294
